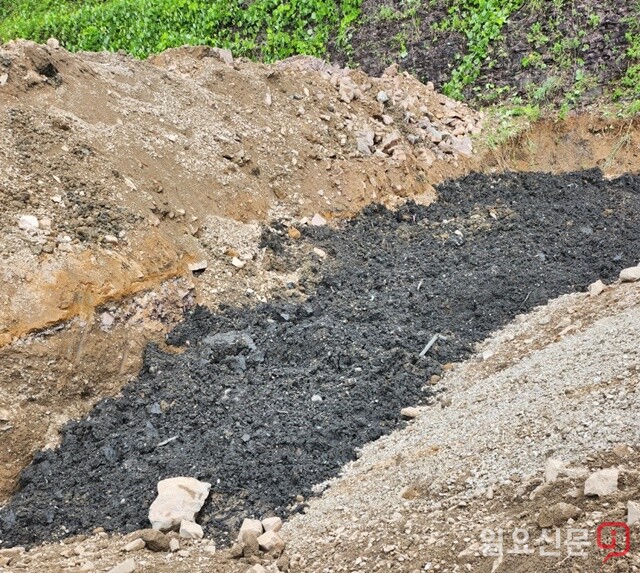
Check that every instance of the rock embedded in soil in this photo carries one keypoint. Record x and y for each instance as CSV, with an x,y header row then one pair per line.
x,y
128,566
179,499
386,289
633,512
558,514
602,483
190,530
154,540
630,274
272,524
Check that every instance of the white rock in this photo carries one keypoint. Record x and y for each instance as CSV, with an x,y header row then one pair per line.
x,y
190,530
252,526
197,266
316,398
601,483
4,78
53,44
630,275
87,566
236,262
410,412
596,288
134,545
257,569
382,97
270,541
128,566
633,512
178,498
211,549
318,220
272,524
28,223
107,319
111,239
174,545
552,469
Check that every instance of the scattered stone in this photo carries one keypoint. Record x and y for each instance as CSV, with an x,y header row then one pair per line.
x,y
272,524
469,554
410,412
251,525
596,288
390,141
387,119
633,512
135,545
197,266
250,545
5,416
382,97
128,566
48,247
322,254
174,545
28,223
190,530
462,145
183,553
294,233
237,263
224,55
558,514
552,469
3,79
602,483
211,549
53,43
316,398
257,569
318,220
87,566
107,319
155,540
179,498
282,563
622,450
271,541
111,239
630,275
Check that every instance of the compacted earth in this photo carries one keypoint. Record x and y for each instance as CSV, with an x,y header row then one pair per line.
x,y
267,401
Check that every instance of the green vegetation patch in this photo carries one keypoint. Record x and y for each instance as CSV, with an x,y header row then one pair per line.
x,y
481,22
264,29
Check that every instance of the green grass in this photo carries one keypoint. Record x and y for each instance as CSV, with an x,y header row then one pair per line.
x,y
481,22
265,29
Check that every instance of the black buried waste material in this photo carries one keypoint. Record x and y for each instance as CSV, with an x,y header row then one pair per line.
x,y
265,402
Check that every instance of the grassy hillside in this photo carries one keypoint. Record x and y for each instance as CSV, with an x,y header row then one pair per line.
x,y
561,53
267,29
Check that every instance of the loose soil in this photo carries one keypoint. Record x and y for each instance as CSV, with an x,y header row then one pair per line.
x,y
266,402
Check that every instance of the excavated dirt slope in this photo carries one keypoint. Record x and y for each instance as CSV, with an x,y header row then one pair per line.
x,y
266,402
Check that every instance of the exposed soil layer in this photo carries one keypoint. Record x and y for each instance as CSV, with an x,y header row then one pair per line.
x,y
266,402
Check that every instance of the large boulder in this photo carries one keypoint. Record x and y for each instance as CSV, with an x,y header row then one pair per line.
x,y
178,498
